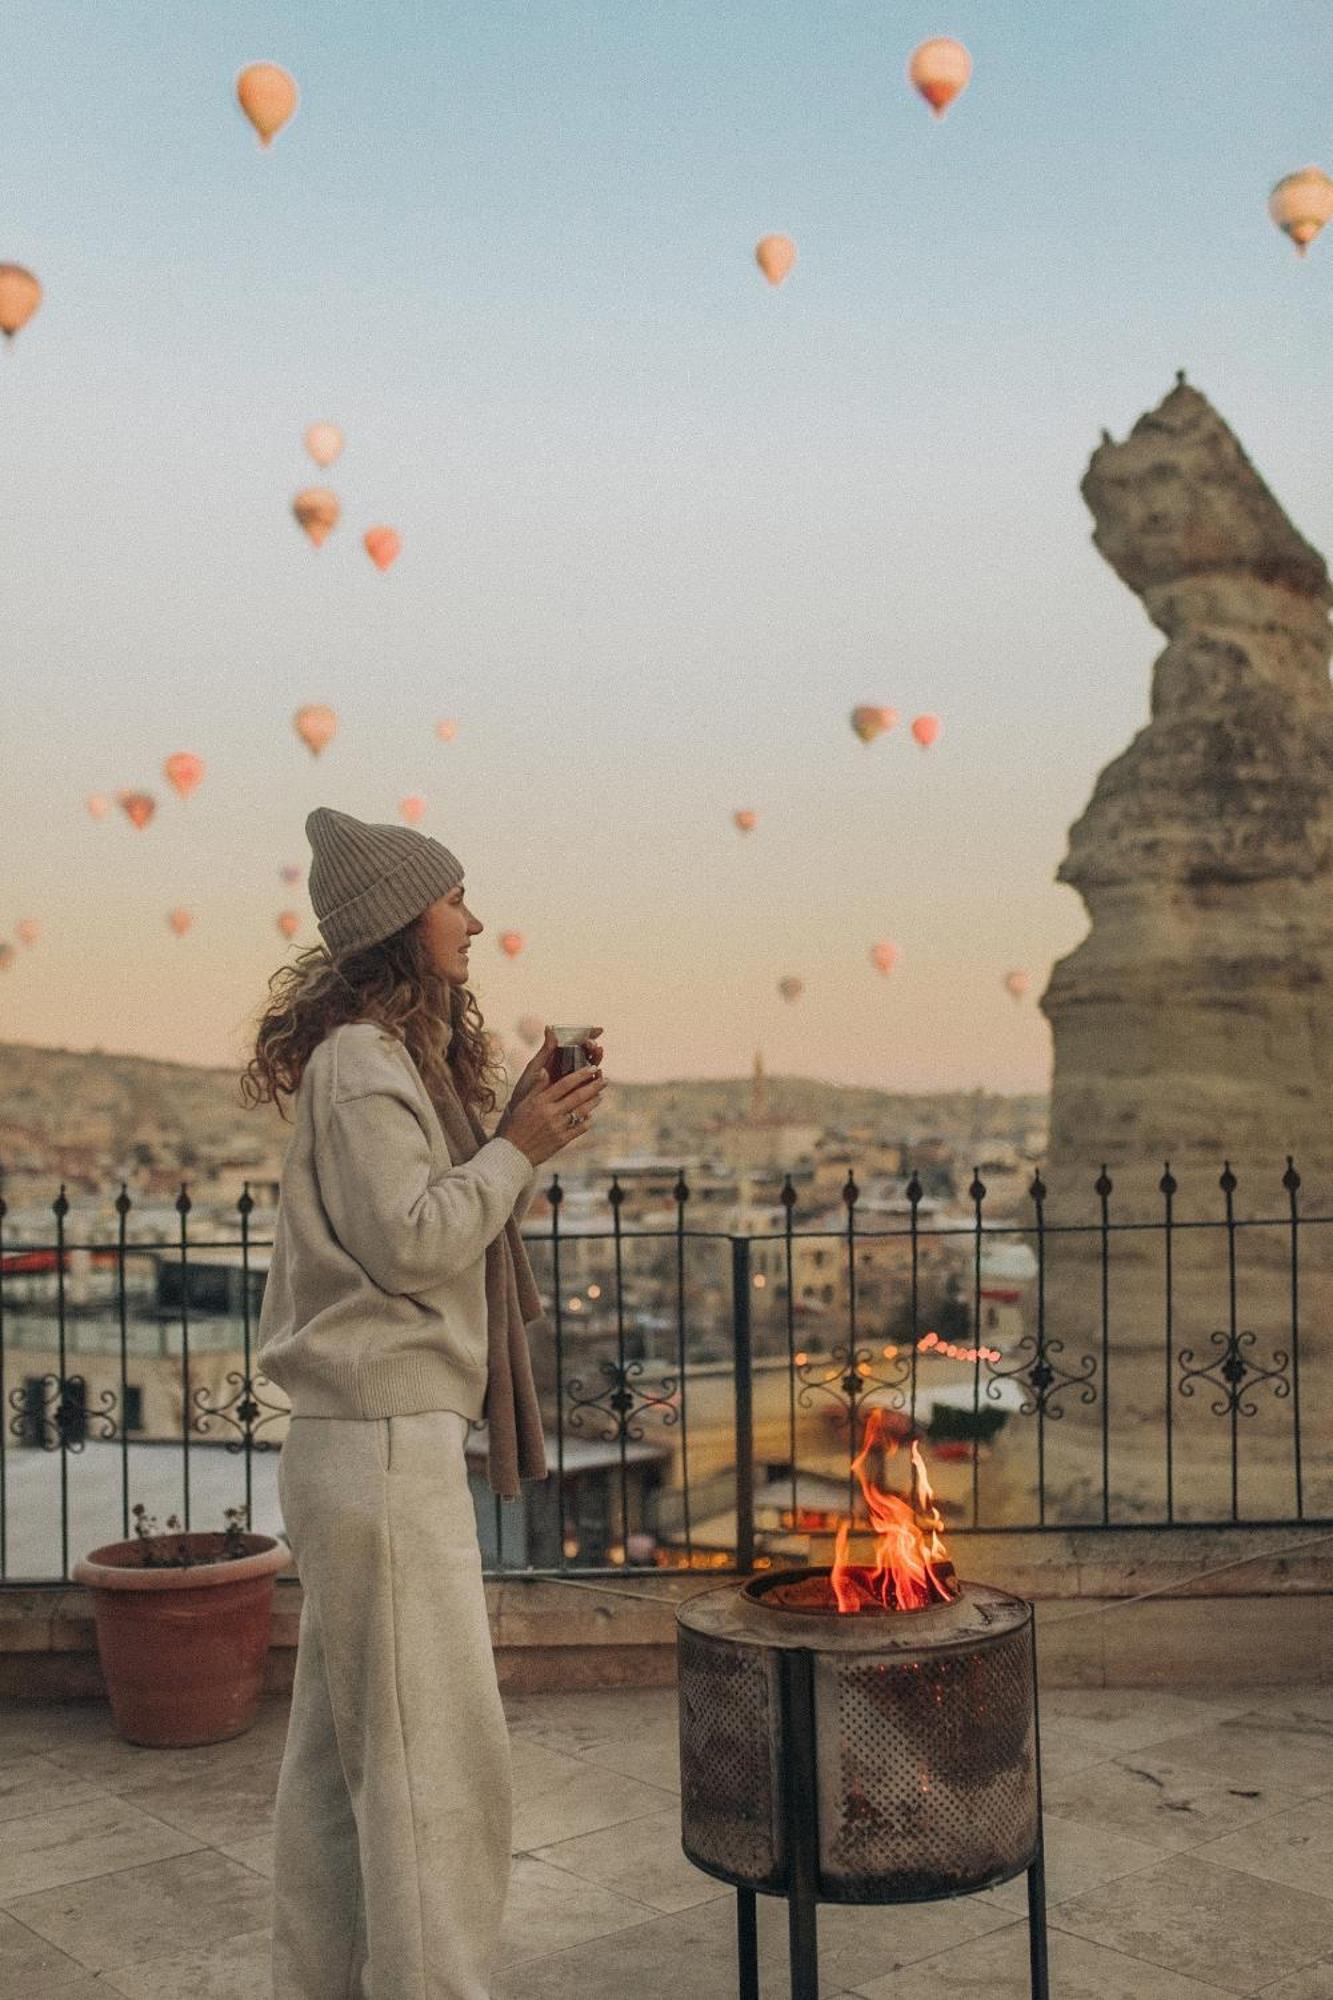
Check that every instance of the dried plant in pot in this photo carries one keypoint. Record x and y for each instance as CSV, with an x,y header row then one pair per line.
x,y
183,1627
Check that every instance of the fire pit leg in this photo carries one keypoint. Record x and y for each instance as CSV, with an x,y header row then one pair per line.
x,y
747,1945
798,1703
1041,1984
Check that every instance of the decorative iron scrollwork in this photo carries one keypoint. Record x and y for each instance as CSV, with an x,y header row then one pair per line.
x,y
621,1402
1233,1375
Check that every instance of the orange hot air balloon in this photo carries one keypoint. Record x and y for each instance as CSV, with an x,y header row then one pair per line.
x,y
531,1029
20,296
926,728
98,804
446,731
140,806
1016,984
413,808
288,923
316,725
1301,204
791,989
184,770
511,943
290,872
775,256
382,546
940,69
317,510
180,921
746,821
7,956
27,930
323,442
868,723
883,956
267,95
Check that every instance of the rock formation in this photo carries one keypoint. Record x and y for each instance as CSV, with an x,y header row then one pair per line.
x,y
1195,1021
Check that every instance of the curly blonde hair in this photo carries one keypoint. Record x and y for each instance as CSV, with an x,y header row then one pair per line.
x,y
394,982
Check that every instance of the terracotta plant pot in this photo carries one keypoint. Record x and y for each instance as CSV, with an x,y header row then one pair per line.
x,y
183,1650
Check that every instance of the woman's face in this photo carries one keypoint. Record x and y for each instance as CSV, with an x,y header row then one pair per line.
x,y
449,927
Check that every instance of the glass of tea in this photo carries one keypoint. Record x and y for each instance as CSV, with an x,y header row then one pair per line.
x,y
568,1054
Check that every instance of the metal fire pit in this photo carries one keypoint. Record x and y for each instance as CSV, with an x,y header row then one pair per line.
x,y
865,1757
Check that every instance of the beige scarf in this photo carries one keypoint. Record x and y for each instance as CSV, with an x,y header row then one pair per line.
x,y
516,1448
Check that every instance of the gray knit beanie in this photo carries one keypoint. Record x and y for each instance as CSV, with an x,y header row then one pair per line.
x,y
368,878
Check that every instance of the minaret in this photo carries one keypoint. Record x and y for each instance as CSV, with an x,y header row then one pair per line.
x,y
758,1113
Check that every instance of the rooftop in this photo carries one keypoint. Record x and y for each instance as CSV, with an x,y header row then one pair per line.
x,y
1188,1841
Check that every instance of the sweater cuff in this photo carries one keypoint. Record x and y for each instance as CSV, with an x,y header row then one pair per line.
x,y
518,1167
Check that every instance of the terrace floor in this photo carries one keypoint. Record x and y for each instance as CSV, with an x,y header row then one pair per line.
x,y
1189,1853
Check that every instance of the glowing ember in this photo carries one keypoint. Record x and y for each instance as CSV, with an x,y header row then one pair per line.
x,y
912,1566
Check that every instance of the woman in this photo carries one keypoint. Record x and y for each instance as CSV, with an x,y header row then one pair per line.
x,y
396,1313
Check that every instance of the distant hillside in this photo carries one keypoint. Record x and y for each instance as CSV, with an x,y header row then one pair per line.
x,y
58,1103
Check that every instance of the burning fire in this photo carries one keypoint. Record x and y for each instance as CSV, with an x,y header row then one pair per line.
x,y
912,1566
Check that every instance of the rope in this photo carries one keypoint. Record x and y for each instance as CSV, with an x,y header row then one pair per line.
x,y
1088,1611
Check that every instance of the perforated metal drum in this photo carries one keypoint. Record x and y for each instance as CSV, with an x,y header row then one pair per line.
x,y
921,1732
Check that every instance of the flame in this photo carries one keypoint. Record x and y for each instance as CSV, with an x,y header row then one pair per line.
x,y
912,1565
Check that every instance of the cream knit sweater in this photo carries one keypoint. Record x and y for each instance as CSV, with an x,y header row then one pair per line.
x,y
375,1304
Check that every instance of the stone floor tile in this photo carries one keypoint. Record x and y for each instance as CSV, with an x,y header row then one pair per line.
x,y
549,1910
1128,1718
255,1854
996,1967
1078,1857
31,1728
537,1768
143,1913
572,1722
1065,1750
103,1757
1294,1847
1207,1923
236,1968
639,1858
591,1798
32,1969
1151,1796
100,1837
1315,1982
653,1756
218,1802
1292,1751
38,1784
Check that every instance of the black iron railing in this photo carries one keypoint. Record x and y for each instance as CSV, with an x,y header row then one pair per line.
x,y
1116,1372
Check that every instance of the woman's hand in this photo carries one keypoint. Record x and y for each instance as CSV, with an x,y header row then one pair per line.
x,y
537,1066
552,1114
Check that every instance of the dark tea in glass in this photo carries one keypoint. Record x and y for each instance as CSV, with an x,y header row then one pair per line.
x,y
568,1054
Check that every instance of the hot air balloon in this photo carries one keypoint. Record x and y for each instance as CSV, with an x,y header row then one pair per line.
x,y
511,943
940,69
315,724
180,921
267,95
20,296
323,442
883,956
7,956
1016,984
290,871
926,728
27,930
184,770
317,510
775,256
98,804
140,806
288,923
868,723
746,821
413,808
791,989
531,1029
446,731
1301,204
382,546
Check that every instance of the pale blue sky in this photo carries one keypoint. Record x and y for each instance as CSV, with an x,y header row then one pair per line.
x,y
662,525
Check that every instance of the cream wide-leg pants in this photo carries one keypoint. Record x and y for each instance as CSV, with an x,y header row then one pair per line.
x,y
393,1818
